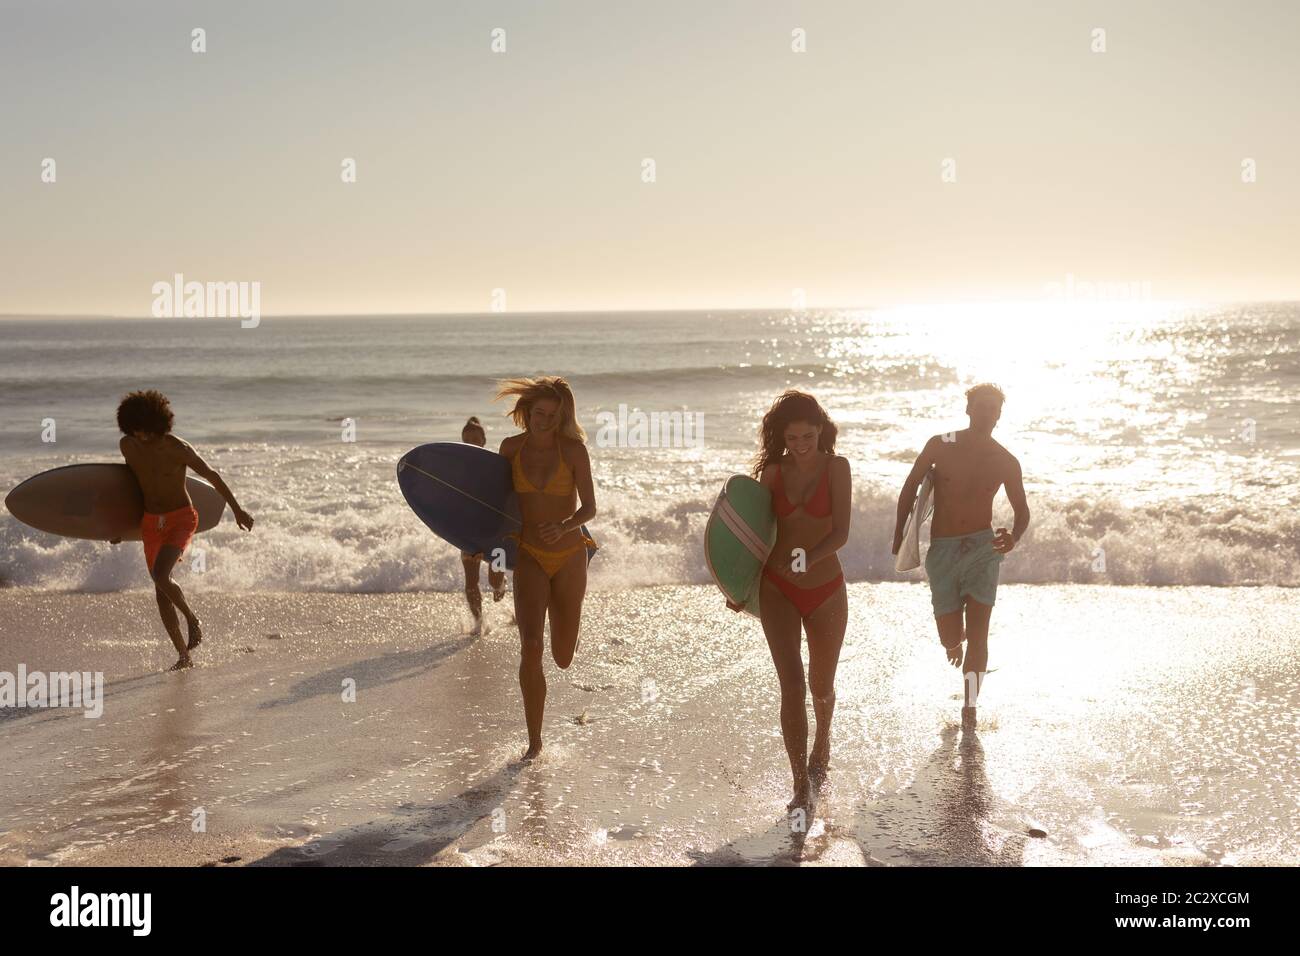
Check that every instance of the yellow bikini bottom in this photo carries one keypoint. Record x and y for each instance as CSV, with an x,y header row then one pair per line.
x,y
552,561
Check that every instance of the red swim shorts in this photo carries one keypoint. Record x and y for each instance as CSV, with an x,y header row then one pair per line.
x,y
174,528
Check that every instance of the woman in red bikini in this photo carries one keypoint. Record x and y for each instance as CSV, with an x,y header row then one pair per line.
x,y
803,584
551,472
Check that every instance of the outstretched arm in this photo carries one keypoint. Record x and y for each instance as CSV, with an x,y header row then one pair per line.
x,y
201,468
907,497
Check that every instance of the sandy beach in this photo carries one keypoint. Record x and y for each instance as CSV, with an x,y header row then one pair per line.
x,y
1143,726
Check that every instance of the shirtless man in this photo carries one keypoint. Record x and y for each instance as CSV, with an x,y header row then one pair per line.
x,y
962,563
158,460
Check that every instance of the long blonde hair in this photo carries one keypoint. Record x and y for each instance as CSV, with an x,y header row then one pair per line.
x,y
527,391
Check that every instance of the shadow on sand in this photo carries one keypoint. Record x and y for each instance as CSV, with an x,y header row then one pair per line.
x,y
411,837
110,690
371,673
949,816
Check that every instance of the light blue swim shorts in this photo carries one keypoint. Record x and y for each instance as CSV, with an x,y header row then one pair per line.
x,y
961,566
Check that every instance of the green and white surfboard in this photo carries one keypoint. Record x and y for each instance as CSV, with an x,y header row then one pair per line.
x,y
738,538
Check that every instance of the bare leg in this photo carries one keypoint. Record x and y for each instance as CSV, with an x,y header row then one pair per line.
x,y
167,611
977,635
826,629
472,594
977,653
568,588
498,581
782,627
951,634
170,599
532,592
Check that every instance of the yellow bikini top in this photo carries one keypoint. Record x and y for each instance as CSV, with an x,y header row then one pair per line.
x,y
560,483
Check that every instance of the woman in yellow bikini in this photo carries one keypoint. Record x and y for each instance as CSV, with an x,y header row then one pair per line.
x,y
552,474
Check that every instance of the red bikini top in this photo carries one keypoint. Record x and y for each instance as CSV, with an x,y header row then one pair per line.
x,y
818,506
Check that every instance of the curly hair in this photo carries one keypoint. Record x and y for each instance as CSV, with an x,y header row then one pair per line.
x,y
145,411
791,406
526,391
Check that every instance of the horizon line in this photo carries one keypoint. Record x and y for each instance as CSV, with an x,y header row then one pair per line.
x,y
643,311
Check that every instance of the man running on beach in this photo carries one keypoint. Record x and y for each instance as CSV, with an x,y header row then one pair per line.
x,y
965,553
158,459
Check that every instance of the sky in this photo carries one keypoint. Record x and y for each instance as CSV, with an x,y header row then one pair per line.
x,y
523,171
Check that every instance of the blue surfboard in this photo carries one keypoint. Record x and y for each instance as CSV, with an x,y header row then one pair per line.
x,y
465,495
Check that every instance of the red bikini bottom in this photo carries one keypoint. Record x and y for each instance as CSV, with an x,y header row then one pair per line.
x,y
805,600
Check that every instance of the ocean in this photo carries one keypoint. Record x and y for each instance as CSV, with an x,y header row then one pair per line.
x,y
1158,441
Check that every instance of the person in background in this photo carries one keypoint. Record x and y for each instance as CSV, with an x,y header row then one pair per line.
x,y
473,434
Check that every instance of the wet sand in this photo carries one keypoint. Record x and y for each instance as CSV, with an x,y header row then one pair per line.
x,y
1147,726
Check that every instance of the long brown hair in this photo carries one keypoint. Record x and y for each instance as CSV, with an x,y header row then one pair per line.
x,y
526,391
791,406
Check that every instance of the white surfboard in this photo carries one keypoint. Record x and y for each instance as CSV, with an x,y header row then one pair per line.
x,y
909,552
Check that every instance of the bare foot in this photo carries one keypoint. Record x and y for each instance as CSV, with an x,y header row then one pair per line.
x,y
182,664
802,796
533,751
818,773
499,591
477,629
968,718
195,632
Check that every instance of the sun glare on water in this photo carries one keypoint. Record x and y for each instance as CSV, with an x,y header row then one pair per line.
x,y
1047,351
1086,382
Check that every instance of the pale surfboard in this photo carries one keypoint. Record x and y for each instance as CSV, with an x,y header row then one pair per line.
x,y
101,502
909,552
